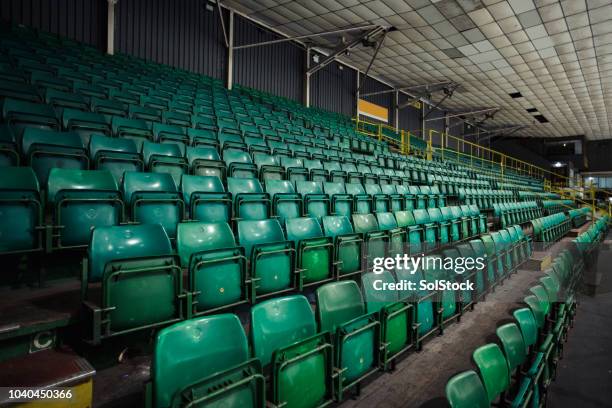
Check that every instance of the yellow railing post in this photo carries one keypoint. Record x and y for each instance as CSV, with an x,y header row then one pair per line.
x,y
430,145
408,144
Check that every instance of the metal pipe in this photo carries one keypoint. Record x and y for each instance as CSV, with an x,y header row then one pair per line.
x,y
110,27
467,113
300,37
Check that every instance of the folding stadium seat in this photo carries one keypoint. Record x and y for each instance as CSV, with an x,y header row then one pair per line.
x,y
316,202
80,200
482,250
474,273
396,317
396,200
144,113
286,203
447,305
271,257
136,129
62,99
396,235
205,161
465,390
115,155
347,245
165,158
152,198
139,276
362,202
425,303
239,164
216,266
250,201
381,202
413,232
269,167
21,114
341,202
341,311
375,240
286,326
336,174
22,211
163,133
496,370
315,170
202,138
47,149
108,107
214,366
443,226
206,199
430,229
314,251
503,251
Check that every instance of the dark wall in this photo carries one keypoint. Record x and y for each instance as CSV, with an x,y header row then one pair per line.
x,y
409,117
278,68
599,155
182,34
385,100
517,148
334,89
80,20
437,125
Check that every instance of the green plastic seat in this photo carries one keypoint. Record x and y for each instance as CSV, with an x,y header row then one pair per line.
x,y
81,200
284,327
286,203
64,99
430,229
206,198
164,133
375,240
205,161
21,114
136,129
493,369
214,368
316,202
447,305
22,211
414,232
347,245
115,155
9,154
141,281
269,166
216,265
341,311
239,164
443,226
152,198
362,202
396,235
271,257
396,317
85,124
108,107
47,149
165,158
341,202
250,201
381,202
465,390
314,256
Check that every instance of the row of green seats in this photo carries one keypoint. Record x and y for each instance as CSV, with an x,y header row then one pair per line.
x,y
518,373
550,228
557,206
484,198
588,241
516,212
578,216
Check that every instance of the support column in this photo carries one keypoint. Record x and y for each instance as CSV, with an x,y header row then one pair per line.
x,y
307,78
230,51
110,27
396,111
357,97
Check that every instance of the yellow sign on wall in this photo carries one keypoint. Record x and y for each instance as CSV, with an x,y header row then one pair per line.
x,y
373,111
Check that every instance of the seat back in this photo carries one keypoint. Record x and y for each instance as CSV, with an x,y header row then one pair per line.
x,y
377,299
513,345
338,303
139,182
493,369
207,345
278,323
302,228
254,232
365,223
465,390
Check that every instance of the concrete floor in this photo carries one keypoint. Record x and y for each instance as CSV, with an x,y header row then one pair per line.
x,y
584,377
419,378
